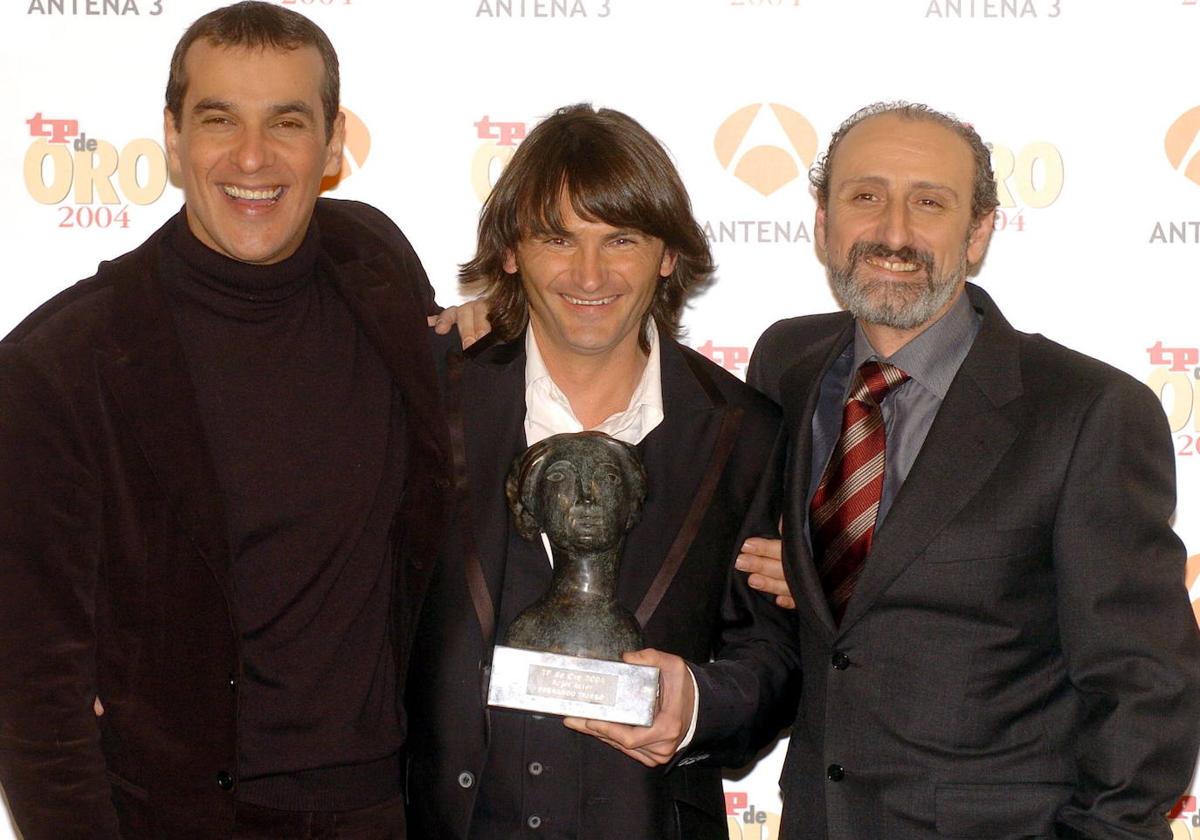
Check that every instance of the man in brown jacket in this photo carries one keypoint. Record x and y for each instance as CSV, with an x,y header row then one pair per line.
x,y
221,461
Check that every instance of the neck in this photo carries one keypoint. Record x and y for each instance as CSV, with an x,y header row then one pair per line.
x,y
887,341
597,386
586,572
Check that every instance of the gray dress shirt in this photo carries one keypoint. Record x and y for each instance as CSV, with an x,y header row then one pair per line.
x,y
931,360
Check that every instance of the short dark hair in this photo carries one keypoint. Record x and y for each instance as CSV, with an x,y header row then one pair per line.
x,y
614,171
983,198
256,24
526,474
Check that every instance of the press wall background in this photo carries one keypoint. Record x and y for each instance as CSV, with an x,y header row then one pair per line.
x,y
1092,108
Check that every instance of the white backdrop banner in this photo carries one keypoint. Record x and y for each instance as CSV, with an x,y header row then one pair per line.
x,y
1094,127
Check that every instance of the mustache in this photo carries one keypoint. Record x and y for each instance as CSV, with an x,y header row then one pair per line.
x,y
862,250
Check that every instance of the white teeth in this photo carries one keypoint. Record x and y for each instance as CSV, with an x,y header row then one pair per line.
x,y
894,266
582,302
252,195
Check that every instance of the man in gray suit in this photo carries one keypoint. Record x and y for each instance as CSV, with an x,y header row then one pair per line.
x,y
997,642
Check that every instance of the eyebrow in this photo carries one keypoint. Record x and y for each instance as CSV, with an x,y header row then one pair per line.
x,y
214,104
876,180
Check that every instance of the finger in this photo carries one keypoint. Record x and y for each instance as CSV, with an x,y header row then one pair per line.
x,y
769,585
757,563
98,707
785,601
642,755
763,547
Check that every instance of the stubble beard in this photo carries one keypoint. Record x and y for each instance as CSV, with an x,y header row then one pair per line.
x,y
901,305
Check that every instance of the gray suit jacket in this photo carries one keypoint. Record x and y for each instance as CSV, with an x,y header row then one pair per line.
x,y
1019,658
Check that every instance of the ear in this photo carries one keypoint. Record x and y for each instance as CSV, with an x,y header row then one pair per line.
x,y
337,142
669,258
979,237
171,139
510,261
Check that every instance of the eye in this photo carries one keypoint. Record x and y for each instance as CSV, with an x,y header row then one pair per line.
x,y
555,475
864,197
217,119
290,123
932,203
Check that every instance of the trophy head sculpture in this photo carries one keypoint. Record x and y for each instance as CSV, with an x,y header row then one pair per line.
x,y
584,491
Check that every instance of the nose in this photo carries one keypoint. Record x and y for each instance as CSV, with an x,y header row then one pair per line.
x,y
588,267
252,151
895,226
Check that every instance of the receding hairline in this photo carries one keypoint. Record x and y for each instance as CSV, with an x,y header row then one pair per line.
x,y
918,118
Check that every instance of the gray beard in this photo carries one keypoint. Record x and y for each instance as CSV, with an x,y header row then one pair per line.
x,y
901,306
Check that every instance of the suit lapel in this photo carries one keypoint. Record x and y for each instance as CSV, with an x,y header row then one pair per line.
x,y
968,438
147,375
800,386
393,320
486,408
678,455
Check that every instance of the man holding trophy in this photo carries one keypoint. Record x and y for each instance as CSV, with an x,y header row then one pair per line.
x,y
587,253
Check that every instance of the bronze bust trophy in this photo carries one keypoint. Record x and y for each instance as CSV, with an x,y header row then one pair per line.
x,y
562,654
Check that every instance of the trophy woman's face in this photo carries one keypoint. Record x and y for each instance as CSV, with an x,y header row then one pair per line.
x,y
584,503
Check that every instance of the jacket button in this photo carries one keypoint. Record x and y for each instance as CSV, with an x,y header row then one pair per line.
x,y
835,772
233,682
466,779
534,822
224,780
535,768
441,482
840,661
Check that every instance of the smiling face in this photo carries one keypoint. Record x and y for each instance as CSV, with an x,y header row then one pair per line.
x,y
897,229
250,148
588,287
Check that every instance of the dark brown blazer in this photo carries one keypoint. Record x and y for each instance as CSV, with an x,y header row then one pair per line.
x,y
713,475
1019,659
114,567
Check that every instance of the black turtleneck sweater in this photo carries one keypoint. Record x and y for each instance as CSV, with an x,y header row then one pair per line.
x,y
306,433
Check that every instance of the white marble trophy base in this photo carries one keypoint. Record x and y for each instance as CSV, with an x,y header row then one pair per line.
x,y
573,686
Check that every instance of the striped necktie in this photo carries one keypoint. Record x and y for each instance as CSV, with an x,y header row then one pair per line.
x,y
843,510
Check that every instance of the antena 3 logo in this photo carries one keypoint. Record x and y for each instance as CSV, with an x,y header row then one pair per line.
x,y
354,151
63,161
766,167
1181,145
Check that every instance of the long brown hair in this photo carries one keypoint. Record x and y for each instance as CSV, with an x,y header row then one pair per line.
x,y
613,171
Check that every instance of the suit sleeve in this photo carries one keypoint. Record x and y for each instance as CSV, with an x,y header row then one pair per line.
x,y
762,374
1128,634
751,688
51,766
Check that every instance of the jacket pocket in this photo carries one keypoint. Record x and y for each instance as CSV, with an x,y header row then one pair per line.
x,y
1019,810
959,544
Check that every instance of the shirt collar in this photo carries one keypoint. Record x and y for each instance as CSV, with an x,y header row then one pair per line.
x,y
548,411
933,357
